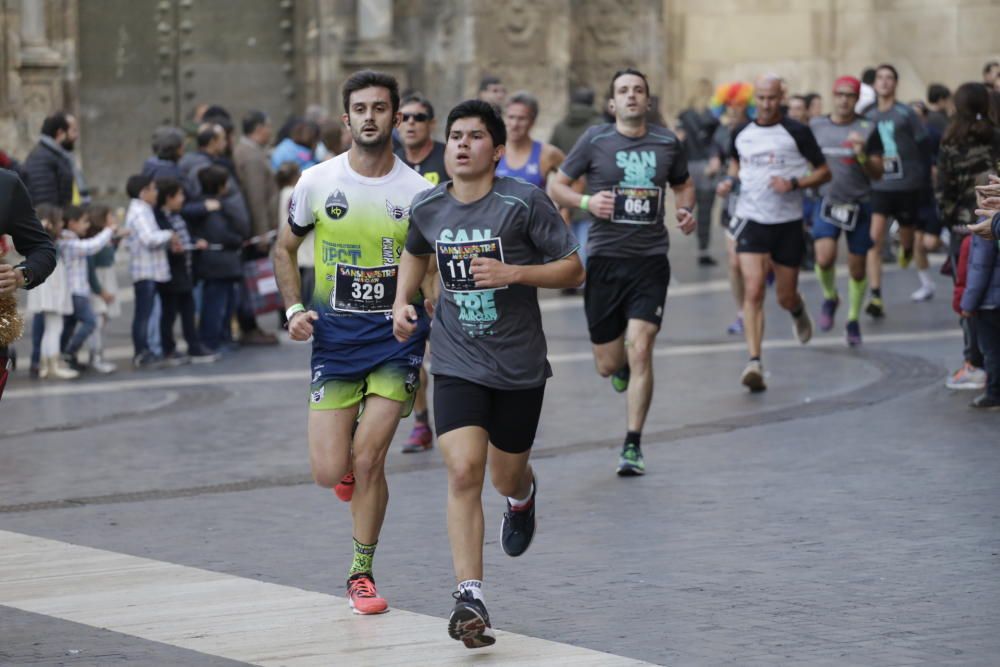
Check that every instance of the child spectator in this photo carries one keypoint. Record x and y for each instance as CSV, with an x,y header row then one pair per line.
x,y
982,301
49,216
177,295
103,285
51,301
220,265
147,261
74,250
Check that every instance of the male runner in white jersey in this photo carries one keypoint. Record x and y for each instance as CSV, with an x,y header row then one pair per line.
x,y
771,156
496,240
358,203
628,164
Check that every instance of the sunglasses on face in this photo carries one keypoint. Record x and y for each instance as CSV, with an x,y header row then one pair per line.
x,y
418,117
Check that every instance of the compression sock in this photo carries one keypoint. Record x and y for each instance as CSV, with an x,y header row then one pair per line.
x,y
827,280
855,295
364,554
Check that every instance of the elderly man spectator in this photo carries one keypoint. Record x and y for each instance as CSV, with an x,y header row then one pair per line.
x,y
254,172
50,170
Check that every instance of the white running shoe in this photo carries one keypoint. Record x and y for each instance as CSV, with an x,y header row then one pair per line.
x,y
923,293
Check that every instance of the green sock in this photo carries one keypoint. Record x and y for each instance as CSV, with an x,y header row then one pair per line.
x,y
364,554
855,294
828,280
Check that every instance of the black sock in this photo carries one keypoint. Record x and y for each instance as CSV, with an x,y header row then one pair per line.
x,y
421,417
797,313
754,358
877,292
633,438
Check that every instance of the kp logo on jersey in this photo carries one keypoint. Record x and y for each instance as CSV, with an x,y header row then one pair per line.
x,y
336,205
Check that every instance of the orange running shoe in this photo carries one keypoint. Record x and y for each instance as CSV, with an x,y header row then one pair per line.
x,y
363,597
345,489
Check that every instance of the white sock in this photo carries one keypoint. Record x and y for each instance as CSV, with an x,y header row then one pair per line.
x,y
474,586
925,278
516,503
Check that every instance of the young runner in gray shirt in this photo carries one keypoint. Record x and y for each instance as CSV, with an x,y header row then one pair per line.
x,y
494,241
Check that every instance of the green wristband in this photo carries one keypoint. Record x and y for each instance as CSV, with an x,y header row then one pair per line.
x,y
585,202
297,308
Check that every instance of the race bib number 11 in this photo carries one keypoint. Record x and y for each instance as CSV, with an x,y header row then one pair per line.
x,y
362,289
636,206
455,262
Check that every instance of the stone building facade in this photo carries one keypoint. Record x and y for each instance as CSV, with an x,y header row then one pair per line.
x,y
125,66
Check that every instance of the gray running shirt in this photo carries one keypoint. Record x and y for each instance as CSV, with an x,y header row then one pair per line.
x,y
491,337
849,184
902,133
609,159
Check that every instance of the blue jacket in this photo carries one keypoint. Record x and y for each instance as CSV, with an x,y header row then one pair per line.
x,y
982,288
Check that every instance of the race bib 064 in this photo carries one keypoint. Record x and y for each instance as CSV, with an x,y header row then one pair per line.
x,y
636,206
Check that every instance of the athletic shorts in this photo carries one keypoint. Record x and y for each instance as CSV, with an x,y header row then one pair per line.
x,y
509,416
928,217
395,379
785,242
620,289
903,206
859,239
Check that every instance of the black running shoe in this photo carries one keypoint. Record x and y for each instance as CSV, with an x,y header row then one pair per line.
x,y
518,527
470,622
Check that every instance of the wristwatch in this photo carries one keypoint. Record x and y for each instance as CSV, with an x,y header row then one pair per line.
x,y
26,273
795,183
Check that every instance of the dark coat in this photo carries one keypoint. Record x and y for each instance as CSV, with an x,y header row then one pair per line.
x,y
17,218
982,288
49,176
221,228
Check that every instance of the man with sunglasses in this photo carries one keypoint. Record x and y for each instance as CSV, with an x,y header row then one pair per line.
x,y
425,156
418,149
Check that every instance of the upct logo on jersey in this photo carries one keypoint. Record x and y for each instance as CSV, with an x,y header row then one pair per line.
x,y
336,205
639,167
397,213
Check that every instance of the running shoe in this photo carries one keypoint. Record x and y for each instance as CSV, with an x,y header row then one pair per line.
x,y
518,527
753,376
985,402
630,462
345,489
875,308
967,377
803,326
421,439
827,312
707,260
736,328
620,379
853,333
469,622
923,293
363,597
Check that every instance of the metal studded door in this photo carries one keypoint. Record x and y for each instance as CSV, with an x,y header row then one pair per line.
x,y
145,63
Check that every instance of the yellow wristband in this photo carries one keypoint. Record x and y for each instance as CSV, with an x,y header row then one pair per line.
x,y
861,158
585,202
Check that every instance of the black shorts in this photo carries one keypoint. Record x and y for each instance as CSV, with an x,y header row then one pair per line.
x,y
509,416
785,242
903,206
620,289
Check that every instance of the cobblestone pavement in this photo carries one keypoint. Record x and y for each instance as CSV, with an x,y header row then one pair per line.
x,y
848,516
